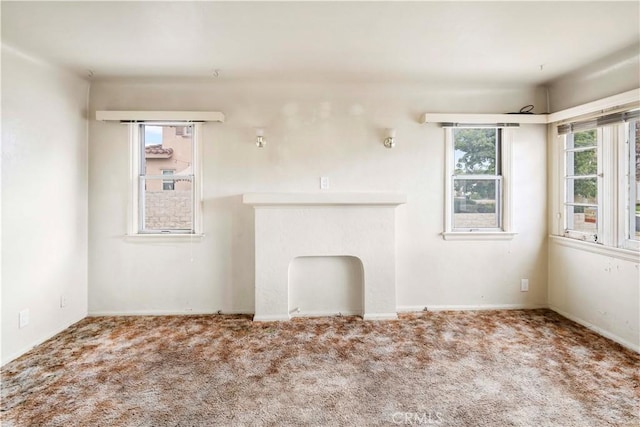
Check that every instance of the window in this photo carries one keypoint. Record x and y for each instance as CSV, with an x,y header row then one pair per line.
x,y
581,183
476,180
168,184
631,184
600,184
184,131
165,178
477,159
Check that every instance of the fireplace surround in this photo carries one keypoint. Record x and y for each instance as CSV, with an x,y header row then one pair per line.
x,y
291,225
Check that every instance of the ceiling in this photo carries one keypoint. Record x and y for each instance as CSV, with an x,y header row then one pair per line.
x,y
487,42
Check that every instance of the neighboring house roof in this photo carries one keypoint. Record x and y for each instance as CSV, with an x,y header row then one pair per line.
x,y
157,152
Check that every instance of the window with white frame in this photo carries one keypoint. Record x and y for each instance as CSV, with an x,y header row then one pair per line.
x,y
600,179
581,181
164,178
477,189
168,184
478,158
631,185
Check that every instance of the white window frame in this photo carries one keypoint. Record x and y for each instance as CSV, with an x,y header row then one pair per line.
x,y
504,205
614,206
172,181
566,196
626,184
136,151
612,199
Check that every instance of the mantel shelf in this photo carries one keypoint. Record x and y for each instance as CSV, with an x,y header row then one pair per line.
x,y
484,118
306,199
133,116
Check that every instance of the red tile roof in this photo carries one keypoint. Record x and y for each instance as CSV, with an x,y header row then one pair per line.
x,y
157,151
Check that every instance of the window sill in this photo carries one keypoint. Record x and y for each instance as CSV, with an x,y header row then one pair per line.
x,y
596,248
162,238
478,235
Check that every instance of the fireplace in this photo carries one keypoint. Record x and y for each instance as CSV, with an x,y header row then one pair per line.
x,y
291,225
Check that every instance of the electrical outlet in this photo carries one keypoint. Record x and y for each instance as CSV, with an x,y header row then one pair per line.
x,y
324,182
23,318
63,301
524,285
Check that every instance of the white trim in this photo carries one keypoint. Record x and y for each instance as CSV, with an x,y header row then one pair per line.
x,y
619,253
13,356
568,197
478,235
631,245
180,116
448,180
556,187
480,307
506,166
133,225
162,238
268,199
134,164
505,205
627,186
607,180
598,330
480,119
569,113
185,312
197,138
271,318
599,105
326,314
380,316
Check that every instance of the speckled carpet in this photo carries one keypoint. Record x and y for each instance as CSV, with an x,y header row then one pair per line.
x,y
489,368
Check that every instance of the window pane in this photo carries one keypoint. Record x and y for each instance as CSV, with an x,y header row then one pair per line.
x,y
582,218
169,184
582,190
585,162
581,158
166,149
167,193
168,210
476,203
587,138
475,151
634,179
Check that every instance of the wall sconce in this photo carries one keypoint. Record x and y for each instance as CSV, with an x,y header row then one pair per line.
x,y
389,141
260,141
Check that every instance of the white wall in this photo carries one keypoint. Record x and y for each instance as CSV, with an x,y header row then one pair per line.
x,y
597,290
315,129
44,200
617,73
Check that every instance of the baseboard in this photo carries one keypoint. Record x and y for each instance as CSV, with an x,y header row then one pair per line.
x,y
598,330
326,314
380,316
414,308
271,318
165,312
13,356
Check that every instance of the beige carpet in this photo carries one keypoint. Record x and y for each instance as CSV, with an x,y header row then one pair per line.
x,y
491,368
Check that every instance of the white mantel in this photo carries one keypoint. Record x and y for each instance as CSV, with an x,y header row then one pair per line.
x,y
291,225
372,199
